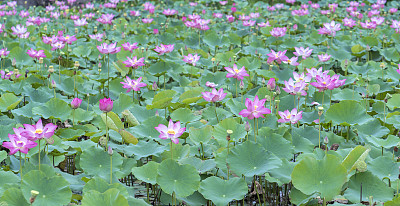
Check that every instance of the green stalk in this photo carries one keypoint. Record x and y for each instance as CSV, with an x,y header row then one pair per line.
x,y
20,164
172,156
106,131
255,136
108,77
39,154
110,169
73,117
216,115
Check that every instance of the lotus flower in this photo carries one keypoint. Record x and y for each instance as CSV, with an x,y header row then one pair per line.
x,y
173,131
18,143
235,72
303,52
191,59
133,84
214,95
255,109
294,88
35,132
163,49
134,62
76,103
106,104
292,117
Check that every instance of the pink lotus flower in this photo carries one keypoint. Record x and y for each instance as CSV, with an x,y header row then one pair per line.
x,y
223,3
294,88
249,23
213,85
76,103
303,52
35,132
332,27
301,77
109,49
349,22
130,47
255,109
313,72
263,24
169,12
4,52
393,10
9,75
278,56
173,131
271,84
325,82
36,54
19,30
164,49
235,72
97,36
324,57
106,18
57,45
134,13
292,117
80,22
133,84
106,104
18,143
147,21
278,32
191,59
292,61
67,39
134,62
214,95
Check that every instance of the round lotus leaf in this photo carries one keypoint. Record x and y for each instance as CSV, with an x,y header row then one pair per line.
x,y
251,159
147,173
371,186
384,167
111,197
347,113
325,176
95,161
13,197
7,178
182,180
184,115
100,185
53,190
221,192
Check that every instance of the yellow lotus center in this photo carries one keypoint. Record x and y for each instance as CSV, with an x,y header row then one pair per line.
x,y
323,82
236,71
301,78
38,131
255,107
289,116
67,37
191,58
289,61
33,18
20,142
171,131
276,55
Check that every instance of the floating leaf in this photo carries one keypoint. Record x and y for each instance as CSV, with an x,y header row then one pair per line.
x,y
359,153
13,197
347,113
146,173
109,198
8,101
221,192
200,136
54,109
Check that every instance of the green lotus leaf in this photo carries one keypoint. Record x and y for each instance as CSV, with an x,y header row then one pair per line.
x,y
123,102
7,178
3,155
54,109
384,167
96,162
21,57
13,197
372,128
221,192
347,113
339,54
109,198
369,41
387,143
220,134
144,149
213,39
128,137
136,202
346,94
53,190
113,121
394,202
371,186
301,144
283,172
325,176
191,96
393,102
195,199
147,173
202,166
278,145
235,106
184,115
100,185
8,101
299,198
26,111
200,136
390,54
251,159
357,154
179,152
162,99
81,51
182,180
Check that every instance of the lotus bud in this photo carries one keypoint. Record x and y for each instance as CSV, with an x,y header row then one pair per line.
x,y
45,28
320,111
103,141
26,73
95,29
51,69
268,98
271,84
278,90
326,140
41,60
241,85
382,65
247,126
154,86
53,84
14,62
50,140
110,151
123,35
76,64
306,88
130,118
157,114
34,194
76,103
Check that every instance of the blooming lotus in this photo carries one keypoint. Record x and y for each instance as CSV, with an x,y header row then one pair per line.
x,y
325,82
129,47
292,116
301,77
18,143
36,54
271,84
324,57
191,59
214,95
109,49
169,12
163,49
295,88
277,56
292,61
133,84
278,32
303,52
255,109
172,132
80,22
147,21
332,28
212,84
313,72
134,62
4,52
35,132
67,39
97,36
235,72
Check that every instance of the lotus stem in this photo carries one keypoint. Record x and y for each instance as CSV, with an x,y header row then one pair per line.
x,y
108,76
172,155
106,131
216,114
20,164
73,117
110,169
255,136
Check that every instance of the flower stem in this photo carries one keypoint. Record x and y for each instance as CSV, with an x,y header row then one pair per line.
x,y
39,154
110,169
108,77
216,115
106,131
20,164
255,136
172,155
73,117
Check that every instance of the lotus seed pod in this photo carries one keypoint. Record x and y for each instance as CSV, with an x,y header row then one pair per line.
x,y
103,141
41,60
361,166
229,132
130,118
